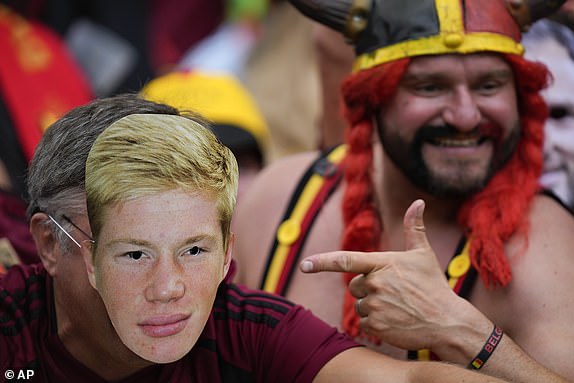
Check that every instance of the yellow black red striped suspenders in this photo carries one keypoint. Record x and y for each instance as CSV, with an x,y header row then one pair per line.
x,y
313,190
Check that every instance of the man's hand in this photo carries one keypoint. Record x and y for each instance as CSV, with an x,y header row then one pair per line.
x,y
403,296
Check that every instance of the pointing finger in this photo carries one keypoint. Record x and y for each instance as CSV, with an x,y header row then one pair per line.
x,y
341,261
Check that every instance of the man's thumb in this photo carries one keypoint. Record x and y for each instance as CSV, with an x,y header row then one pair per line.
x,y
414,227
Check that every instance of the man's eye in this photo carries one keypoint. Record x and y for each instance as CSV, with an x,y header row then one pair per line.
x,y
135,255
428,88
489,86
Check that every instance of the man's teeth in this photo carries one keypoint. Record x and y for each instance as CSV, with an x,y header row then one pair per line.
x,y
449,142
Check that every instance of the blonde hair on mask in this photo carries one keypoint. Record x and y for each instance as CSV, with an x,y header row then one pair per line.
x,y
145,154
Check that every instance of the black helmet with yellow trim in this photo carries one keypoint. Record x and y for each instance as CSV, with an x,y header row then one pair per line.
x,y
388,30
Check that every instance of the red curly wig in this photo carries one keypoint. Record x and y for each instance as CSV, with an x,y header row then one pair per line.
x,y
490,217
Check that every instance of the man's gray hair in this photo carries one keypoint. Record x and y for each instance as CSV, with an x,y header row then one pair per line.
x,y
56,175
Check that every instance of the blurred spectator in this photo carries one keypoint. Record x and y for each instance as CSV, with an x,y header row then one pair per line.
x,y
553,44
108,38
266,44
178,25
566,14
122,45
283,77
335,60
221,98
227,49
39,82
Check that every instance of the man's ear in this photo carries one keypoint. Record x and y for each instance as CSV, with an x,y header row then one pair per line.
x,y
228,255
87,251
47,244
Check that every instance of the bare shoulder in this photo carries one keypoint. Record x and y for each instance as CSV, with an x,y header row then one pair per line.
x,y
260,211
273,187
283,172
550,241
538,303
548,210
549,256
551,227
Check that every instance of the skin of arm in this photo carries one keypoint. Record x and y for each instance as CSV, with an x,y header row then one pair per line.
x,y
364,365
408,303
538,305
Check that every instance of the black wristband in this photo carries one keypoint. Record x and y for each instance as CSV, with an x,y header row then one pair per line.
x,y
491,343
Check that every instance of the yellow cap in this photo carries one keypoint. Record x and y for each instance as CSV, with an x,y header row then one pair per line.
x,y
221,98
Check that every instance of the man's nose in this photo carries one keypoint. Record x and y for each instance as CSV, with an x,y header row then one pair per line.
x,y
462,111
165,282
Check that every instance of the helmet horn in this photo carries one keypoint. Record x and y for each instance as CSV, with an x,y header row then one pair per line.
x,y
526,12
348,17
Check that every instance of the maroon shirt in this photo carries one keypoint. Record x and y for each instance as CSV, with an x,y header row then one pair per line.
x,y
250,336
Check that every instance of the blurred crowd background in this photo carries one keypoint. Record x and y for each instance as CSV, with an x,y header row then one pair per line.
x,y
120,46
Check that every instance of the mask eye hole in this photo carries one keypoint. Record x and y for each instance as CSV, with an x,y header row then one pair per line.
x,y
558,112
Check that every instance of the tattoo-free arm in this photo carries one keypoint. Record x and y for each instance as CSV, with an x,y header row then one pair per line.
x,y
363,365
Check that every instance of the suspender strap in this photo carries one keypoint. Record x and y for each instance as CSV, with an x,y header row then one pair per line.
x,y
459,272
314,189
461,277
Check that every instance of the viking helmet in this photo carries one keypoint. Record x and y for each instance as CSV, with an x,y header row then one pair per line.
x,y
387,30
